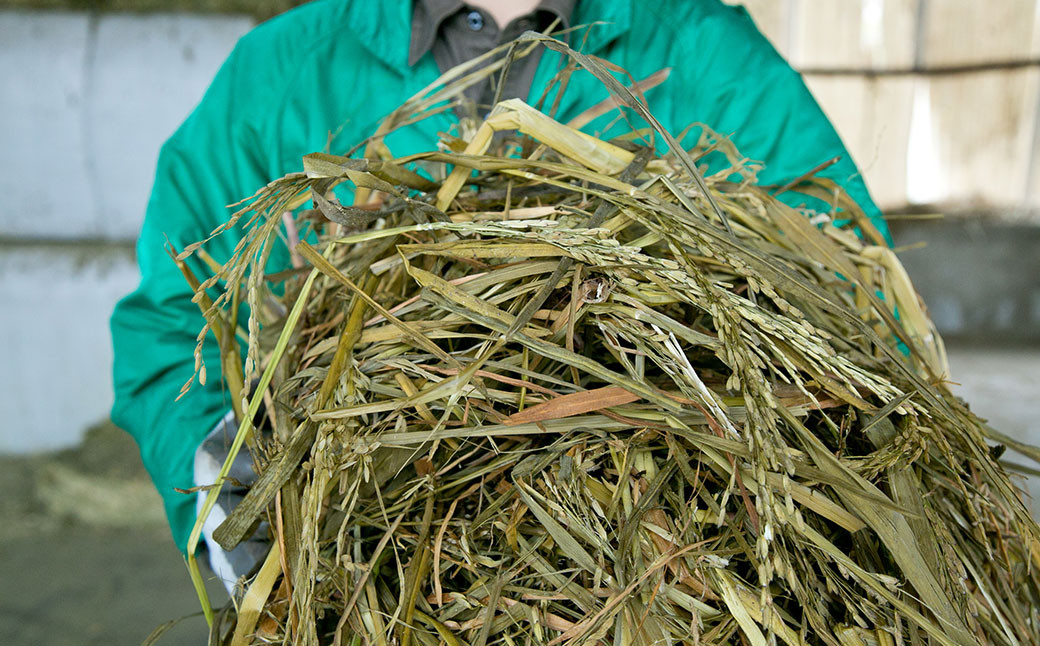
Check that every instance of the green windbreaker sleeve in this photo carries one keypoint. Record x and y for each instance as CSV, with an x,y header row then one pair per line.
x,y
211,161
743,88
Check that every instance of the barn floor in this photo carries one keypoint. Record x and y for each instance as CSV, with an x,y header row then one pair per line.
x,y
85,555
78,569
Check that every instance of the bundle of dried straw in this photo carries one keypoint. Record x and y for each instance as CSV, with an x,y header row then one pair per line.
x,y
539,388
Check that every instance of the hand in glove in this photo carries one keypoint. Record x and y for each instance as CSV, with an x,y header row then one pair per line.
x,y
209,458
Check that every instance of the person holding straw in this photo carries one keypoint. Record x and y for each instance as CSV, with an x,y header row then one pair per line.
x,y
320,77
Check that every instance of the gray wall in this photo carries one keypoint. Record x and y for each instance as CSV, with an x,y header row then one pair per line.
x,y
980,279
86,102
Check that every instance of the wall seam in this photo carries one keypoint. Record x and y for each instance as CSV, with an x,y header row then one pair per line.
x,y
86,120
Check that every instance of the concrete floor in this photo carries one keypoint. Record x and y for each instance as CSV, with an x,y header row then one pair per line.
x,y
85,555
77,569
90,585
1003,386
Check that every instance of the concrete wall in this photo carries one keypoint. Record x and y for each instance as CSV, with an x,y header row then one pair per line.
x,y
55,346
981,281
86,101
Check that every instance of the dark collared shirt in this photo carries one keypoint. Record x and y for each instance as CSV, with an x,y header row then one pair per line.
x,y
456,32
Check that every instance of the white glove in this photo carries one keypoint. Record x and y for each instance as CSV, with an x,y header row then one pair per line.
x,y
209,458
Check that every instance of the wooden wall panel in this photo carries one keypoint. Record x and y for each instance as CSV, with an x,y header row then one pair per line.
x,y
974,140
843,34
842,99
978,31
882,155
872,115
983,130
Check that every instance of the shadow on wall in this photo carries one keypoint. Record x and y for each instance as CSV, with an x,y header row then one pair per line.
x,y
979,277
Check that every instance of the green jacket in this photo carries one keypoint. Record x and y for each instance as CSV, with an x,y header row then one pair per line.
x,y
321,77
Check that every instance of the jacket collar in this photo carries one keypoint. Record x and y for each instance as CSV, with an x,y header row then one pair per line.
x,y
427,16
431,13
384,28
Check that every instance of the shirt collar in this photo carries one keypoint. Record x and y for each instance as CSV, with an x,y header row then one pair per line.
x,y
427,16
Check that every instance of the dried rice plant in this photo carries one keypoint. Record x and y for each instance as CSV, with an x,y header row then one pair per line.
x,y
539,388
